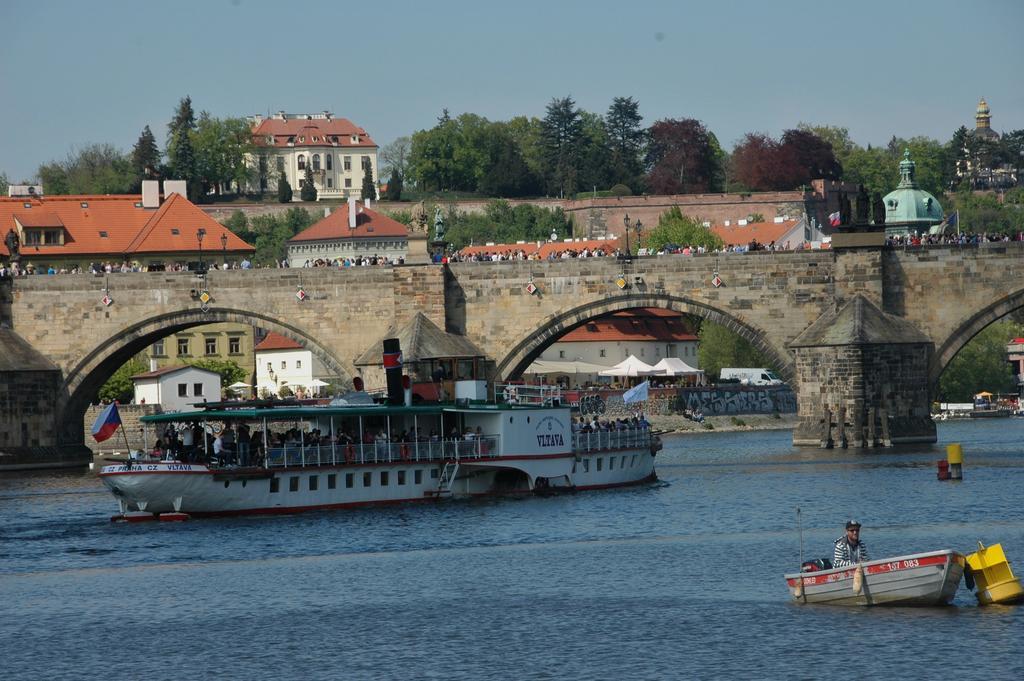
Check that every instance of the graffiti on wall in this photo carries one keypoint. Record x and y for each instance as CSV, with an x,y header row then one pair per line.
x,y
720,401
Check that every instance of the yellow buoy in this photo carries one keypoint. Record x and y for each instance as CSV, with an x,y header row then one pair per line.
x,y
955,456
993,577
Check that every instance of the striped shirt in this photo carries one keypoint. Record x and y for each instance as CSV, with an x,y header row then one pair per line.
x,y
847,555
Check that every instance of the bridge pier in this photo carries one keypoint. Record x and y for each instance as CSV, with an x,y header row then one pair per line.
x,y
861,373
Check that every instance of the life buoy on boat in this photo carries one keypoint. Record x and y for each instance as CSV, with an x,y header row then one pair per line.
x,y
350,453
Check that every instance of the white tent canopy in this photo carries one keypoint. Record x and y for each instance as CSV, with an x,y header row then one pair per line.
x,y
553,366
673,366
631,366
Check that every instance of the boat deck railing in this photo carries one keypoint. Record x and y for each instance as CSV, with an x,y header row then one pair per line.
x,y
611,439
292,455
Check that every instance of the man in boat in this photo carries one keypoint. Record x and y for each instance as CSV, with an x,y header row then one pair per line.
x,y
849,549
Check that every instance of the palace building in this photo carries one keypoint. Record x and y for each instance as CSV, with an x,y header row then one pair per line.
x,y
335,149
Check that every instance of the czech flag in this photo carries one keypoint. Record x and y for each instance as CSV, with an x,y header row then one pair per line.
x,y
106,423
833,219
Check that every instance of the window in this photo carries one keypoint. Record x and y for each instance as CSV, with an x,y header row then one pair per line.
x,y
347,163
275,485
183,346
293,483
280,164
348,182
367,479
384,478
602,353
365,162
158,348
611,463
314,482
330,183
561,354
284,365
622,462
235,345
349,480
270,369
401,477
211,346
586,465
103,234
316,162
328,162
418,476
302,162
183,390
632,462
600,463
197,389
298,364
332,481
434,473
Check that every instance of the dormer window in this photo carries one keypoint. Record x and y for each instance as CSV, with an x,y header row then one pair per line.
x,y
301,138
175,231
316,139
355,139
84,204
103,234
27,204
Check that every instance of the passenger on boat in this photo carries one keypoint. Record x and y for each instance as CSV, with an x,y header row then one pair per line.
x,y
849,549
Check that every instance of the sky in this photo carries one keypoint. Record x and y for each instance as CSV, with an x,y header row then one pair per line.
x,y
89,71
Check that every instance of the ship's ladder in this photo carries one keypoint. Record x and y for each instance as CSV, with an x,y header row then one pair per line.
x,y
448,473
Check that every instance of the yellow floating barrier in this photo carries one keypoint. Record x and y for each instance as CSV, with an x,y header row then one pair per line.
x,y
993,576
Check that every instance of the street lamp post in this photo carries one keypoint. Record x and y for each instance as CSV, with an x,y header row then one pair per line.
x,y
224,248
637,226
200,233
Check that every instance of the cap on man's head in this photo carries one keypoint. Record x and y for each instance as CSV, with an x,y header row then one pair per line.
x,y
850,524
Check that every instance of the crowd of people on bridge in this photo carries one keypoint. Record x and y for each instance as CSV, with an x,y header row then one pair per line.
x,y
962,239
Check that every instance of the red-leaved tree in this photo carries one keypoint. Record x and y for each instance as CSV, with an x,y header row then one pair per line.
x,y
761,163
681,157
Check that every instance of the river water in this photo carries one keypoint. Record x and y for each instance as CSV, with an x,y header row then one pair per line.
x,y
678,579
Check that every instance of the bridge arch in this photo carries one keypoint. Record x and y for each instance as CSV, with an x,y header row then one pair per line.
x,y
92,371
529,347
968,329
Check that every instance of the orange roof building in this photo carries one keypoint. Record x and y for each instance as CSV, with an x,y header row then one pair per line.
x,y
351,232
335,149
784,233
64,232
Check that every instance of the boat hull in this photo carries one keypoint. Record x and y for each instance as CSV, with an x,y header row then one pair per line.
x,y
922,579
198,490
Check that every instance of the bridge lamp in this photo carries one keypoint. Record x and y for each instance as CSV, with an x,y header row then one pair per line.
x,y
224,247
200,233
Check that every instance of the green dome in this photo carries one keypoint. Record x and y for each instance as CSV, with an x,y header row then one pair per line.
x,y
908,208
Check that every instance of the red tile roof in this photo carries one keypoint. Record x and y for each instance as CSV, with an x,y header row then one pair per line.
x,y
275,341
171,370
641,324
327,131
763,232
369,224
115,225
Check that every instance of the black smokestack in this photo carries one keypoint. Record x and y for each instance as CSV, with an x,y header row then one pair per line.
x,y
393,370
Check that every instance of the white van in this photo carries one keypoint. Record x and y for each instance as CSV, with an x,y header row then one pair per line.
x,y
751,376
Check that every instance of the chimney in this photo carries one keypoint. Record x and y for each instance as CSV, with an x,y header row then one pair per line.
x,y
150,193
393,370
351,212
366,203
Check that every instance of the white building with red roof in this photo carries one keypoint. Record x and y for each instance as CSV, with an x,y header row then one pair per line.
x,y
282,362
177,388
336,149
782,232
345,235
64,232
649,334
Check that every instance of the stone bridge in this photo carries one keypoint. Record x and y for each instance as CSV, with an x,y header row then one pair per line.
x,y
862,334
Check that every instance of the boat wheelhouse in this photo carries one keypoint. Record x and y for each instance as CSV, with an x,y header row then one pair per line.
x,y
355,452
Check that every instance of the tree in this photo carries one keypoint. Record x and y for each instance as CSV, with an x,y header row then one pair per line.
x,y
432,156
675,228
719,347
145,157
229,371
119,387
837,137
394,157
981,365
872,167
394,191
807,157
369,189
4,184
681,157
94,169
1011,150
54,178
561,141
181,157
595,166
284,189
626,141
222,147
308,190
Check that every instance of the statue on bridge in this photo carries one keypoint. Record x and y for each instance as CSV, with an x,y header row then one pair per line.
x,y
13,244
877,209
863,205
438,225
844,209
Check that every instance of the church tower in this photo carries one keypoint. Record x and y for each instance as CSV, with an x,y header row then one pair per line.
x,y
983,122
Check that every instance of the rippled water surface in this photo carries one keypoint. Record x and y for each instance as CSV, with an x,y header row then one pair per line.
x,y
679,579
